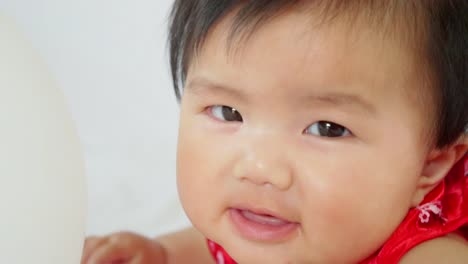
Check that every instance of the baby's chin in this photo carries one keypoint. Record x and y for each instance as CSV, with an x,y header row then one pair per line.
x,y
253,252
296,251
243,255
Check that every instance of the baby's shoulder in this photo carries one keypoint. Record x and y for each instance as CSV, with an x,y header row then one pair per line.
x,y
451,248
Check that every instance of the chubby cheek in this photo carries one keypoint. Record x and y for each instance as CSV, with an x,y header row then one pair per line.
x,y
199,186
359,198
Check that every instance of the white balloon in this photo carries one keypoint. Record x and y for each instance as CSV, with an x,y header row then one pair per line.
x,y
42,181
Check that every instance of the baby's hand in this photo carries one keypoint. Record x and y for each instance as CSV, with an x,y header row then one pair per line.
x,y
122,248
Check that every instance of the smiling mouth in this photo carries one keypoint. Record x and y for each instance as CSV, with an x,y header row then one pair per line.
x,y
259,226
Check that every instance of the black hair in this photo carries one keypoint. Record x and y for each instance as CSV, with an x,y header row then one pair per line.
x,y
440,28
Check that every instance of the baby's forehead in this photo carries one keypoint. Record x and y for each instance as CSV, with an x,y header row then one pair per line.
x,y
288,49
306,32
363,42
391,20
288,59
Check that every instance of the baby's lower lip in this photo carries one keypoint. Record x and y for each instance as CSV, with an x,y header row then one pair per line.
x,y
257,227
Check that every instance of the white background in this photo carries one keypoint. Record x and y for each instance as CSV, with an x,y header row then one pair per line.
x,y
110,58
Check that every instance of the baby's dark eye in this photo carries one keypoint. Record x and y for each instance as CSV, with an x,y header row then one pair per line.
x,y
225,113
327,129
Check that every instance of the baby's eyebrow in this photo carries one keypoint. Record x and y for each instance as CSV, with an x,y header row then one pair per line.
x,y
342,99
203,86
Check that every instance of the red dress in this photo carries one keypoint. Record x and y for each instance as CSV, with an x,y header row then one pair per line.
x,y
443,211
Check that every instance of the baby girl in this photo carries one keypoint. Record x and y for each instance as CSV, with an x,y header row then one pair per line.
x,y
316,132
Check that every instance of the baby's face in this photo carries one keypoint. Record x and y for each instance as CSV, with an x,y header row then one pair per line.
x,y
303,146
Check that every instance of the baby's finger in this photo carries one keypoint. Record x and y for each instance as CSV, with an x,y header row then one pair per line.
x,y
91,244
110,253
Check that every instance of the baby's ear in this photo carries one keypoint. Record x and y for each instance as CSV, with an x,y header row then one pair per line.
x,y
438,164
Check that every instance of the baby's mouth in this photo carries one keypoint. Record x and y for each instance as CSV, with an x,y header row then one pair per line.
x,y
261,226
264,219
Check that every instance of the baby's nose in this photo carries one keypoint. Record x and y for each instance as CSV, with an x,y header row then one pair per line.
x,y
264,167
